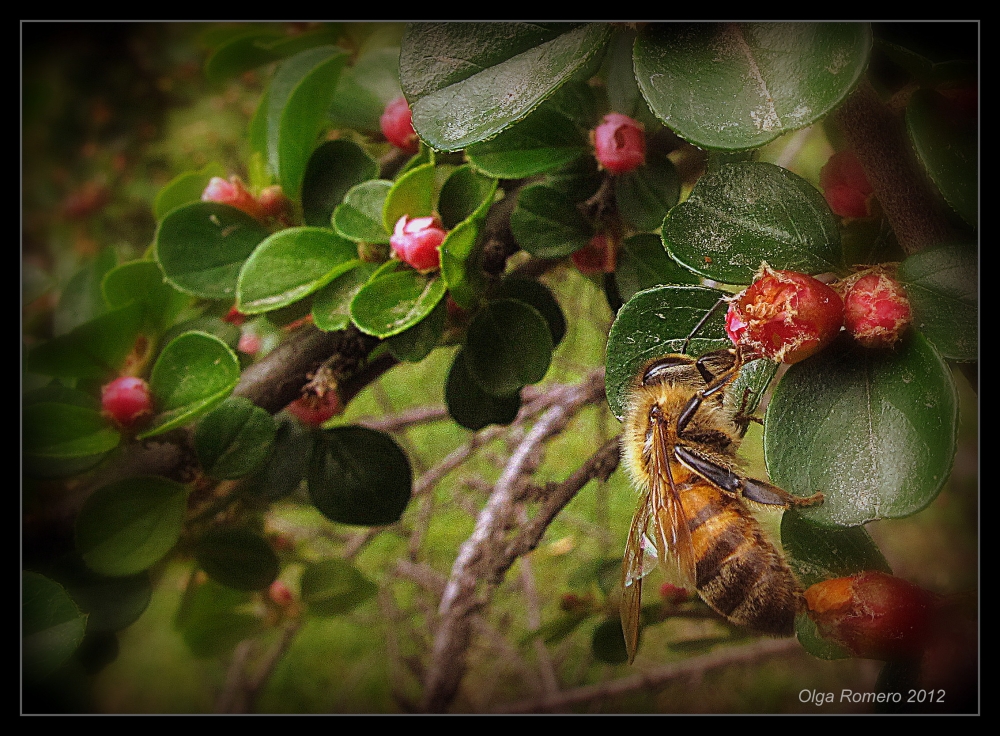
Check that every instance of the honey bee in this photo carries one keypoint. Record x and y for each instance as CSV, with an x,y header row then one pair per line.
x,y
679,447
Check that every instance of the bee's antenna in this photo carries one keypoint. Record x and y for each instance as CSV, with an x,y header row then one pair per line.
x,y
701,323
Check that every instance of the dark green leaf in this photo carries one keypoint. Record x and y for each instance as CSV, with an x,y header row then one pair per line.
x,y
388,305
215,618
508,346
142,282
286,464
818,553
643,263
608,643
734,86
470,406
461,265
465,194
96,349
654,323
578,180
201,247
185,188
331,309
947,143
127,526
237,558
56,431
557,629
333,587
290,265
466,82
333,169
749,213
623,91
81,299
364,90
547,223
298,99
359,476
538,296
874,430
943,287
416,343
111,603
241,53
52,625
645,195
194,372
359,216
234,438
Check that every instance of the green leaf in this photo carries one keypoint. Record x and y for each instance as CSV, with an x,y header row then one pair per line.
x,y
578,180
643,263
508,346
943,287
749,213
298,98
545,140
96,349
127,526
608,642
645,195
466,82
237,558
82,299
388,305
947,143
816,553
623,90
331,309
414,194
333,169
185,188
416,343
57,431
142,282
241,53
461,263
291,265
285,467
470,406
465,194
194,372
52,625
364,90
234,438
547,223
201,247
736,86
875,431
215,618
111,603
654,323
359,216
538,296
333,587
359,476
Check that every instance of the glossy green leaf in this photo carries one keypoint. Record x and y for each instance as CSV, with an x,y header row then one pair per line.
x,y
645,195
359,216
331,308
465,194
388,305
414,194
57,431
96,349
623,90
359,476
548,224
364,90
538,296
234,438
201,247
874,430
333,169
81,299
740,85
749,213
466,82
185,188
469,405
237,558
461,263
241,53
215,618
507,347
578,180
298,98
545,140
416,343
334,587
291,265
643,263
285,467
194,372
943,287
127,526
817,553
52,625
947,142
142,282
654,323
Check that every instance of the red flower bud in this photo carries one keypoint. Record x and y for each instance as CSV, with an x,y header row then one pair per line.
x,y
876,310
619,143
600,255
397,126
274,203
845,185
418,241
279,593
127,400
235,194
785,316
314,410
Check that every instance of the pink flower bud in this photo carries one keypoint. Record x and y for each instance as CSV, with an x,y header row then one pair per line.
x,y
598,256
418,241
397,126
620,143
235,194
127,400
877,310
845,185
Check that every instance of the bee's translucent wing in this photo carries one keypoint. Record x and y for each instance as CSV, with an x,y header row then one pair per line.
x,y
633,570
670,532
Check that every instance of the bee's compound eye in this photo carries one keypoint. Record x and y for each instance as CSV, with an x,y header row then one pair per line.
x,y
661,369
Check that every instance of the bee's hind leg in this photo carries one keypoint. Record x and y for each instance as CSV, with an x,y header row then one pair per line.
x,y
763,492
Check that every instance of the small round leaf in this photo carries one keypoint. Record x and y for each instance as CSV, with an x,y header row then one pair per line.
x,y
237,558
234,438
508,346
334,587
391,304
470,406
52,625
333,169
547,223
